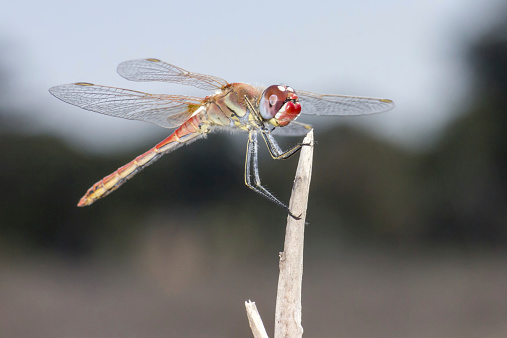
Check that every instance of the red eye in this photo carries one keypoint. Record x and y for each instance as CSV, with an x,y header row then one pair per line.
x,y
272,100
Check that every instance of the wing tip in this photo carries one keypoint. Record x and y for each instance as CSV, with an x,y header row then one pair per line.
x,y
126,69
390,103
55,89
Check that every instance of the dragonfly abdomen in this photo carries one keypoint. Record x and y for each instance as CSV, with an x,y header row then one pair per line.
x,y
189,131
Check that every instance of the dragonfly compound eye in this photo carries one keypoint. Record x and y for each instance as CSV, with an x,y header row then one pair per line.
x,y
272,100
279,105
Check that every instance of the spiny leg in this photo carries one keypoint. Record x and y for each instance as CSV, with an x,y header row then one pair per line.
x,y
252,164
276,152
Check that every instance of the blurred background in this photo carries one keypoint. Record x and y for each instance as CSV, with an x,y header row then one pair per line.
x,y
407,231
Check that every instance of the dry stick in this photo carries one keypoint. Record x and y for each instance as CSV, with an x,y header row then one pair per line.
x,y
255,320
288,299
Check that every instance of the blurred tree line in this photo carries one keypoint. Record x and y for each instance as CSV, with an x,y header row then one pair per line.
x,y
363,189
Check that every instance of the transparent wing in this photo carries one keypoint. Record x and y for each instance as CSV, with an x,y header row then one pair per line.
x,y
319,104
143,70
293,129
167,111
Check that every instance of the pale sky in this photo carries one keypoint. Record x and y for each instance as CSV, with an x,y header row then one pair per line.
x,y
408,51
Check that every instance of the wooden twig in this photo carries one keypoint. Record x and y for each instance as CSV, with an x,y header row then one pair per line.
x,y
288,299
255,321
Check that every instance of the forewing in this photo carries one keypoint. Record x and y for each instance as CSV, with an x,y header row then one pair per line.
x,y
293,129
319,104
143,70
129,104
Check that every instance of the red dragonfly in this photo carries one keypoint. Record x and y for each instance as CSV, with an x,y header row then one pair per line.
x,y
267,112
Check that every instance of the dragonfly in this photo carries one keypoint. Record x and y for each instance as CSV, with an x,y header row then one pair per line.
x,y
266,111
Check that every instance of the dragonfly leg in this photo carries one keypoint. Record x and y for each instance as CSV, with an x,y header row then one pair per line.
x,y
252,171
276,152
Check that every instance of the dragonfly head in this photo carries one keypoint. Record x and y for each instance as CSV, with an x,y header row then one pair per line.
x,y
279,105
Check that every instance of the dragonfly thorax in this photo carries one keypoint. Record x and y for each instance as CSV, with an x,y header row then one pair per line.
x,y
279,105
